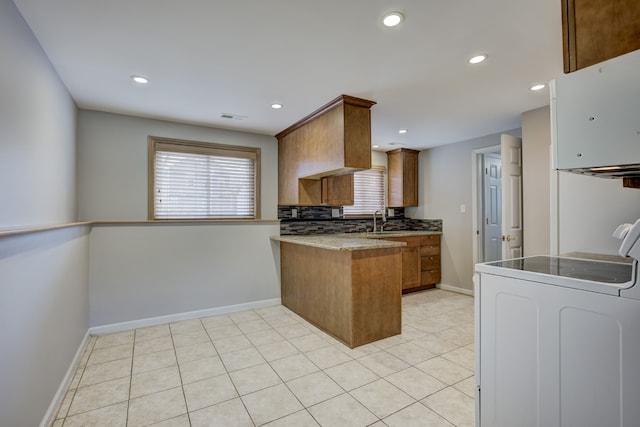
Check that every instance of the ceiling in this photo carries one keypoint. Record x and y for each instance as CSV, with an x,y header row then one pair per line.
x,y
205,58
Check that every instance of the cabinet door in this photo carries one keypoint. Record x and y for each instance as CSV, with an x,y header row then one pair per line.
x,y
337,190
597,30
410,267
402,167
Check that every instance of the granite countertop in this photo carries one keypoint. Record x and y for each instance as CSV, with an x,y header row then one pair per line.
x,y
352,241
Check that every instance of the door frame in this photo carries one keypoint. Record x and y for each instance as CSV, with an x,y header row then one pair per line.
x,y
476,195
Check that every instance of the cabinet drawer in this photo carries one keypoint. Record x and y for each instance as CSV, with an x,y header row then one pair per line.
x,y
431,239
410,241
430,277
430,262
430,250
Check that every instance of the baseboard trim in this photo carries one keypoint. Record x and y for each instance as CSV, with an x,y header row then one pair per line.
x,y
54,407
453,288
152,321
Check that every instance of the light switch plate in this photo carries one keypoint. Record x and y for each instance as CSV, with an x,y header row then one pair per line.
x,y
335,213
390,212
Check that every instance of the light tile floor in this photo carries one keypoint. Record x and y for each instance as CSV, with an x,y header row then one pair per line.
x,y
270,367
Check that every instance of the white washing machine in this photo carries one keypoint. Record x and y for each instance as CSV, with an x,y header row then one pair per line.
x,y
558,340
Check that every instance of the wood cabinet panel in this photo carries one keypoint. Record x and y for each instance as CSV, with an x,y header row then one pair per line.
x,y
333,140
410,267
402,175
430,278
597,30
420,262
431,239
353,295
377,295
337,190
431,262
430,249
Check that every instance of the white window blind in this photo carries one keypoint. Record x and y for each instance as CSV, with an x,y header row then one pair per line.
x,y
368,192
198,182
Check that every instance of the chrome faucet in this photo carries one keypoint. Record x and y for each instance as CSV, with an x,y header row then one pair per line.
x,y
374,219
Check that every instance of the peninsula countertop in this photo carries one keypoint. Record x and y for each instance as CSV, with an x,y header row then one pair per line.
x,y
353,241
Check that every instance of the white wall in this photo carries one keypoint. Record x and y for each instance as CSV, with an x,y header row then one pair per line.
x,y
112,163
146,271
536,170
378,158
37,131
43,275
589,210
445,183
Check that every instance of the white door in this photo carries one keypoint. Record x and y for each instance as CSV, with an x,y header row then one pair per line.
x,y
492,207
511,149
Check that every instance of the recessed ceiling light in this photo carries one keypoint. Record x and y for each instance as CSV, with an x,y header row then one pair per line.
x,y
402,131
276,106
392,19
477,59
140,79
538,86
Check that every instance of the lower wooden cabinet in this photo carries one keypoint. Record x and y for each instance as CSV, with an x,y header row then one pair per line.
x,y
420,262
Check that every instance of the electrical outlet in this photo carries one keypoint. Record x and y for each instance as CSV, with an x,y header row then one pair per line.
x,y
335,213
294,213
390,212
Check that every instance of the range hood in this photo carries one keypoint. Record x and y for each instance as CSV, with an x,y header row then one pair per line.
x,y
595,117
620,171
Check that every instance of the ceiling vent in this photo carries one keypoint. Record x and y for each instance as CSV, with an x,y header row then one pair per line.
x,y
396,143
232,116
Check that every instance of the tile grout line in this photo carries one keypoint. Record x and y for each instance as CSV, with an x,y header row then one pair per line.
x,y
456,326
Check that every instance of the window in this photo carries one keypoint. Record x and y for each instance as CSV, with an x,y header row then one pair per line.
x,y
198,180
368,192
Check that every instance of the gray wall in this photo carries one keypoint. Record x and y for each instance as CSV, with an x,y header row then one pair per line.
x,y
590,209
145,271
43,275
37,131
112,163
150,270
536,170
44,317
445,177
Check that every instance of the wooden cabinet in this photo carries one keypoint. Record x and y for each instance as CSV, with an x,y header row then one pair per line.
x,y
337,190
410,261
429,261
332,141
420,262
352,295
402,172
596,30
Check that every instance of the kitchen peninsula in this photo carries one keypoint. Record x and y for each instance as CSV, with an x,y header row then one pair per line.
x,y
348,285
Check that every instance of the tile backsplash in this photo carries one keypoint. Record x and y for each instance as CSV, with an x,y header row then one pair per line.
x,y
320,220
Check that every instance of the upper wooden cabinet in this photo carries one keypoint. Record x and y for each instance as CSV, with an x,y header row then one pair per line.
x,y
331,141
596,30
402,165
